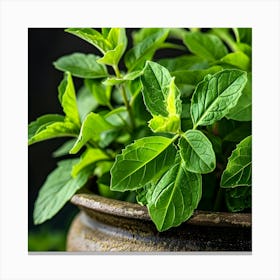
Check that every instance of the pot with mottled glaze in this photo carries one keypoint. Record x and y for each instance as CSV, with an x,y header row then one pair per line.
x,y
107,225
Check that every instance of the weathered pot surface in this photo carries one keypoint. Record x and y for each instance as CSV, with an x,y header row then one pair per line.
x,y
105,225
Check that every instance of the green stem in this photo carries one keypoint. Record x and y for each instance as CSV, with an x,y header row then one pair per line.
x,y
117,71
125,99
110,106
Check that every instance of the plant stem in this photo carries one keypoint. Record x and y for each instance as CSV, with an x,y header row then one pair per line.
x,y
125,99
110,106
117,71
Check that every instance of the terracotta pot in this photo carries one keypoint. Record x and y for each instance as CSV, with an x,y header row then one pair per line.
x,y
110,225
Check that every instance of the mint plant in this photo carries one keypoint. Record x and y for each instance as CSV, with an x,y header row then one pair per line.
x,y
172,133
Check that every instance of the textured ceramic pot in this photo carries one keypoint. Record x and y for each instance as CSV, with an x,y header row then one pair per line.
x,y
105,225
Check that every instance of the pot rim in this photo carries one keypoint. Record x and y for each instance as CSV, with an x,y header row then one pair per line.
x,y
93,202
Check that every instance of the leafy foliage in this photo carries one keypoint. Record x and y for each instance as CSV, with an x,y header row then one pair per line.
x,y
206,46
81,65
174,197
197,153
141,162
57,190
162,98
165,132
239,167
145,49
216,95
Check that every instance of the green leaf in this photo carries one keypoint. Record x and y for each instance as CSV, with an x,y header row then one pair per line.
x,y
117,38
54,130
89,157
92,127
105,31
112,43
81,65
136,57
86,102
175,197
237,59
141,194
144,195
184,62
143,33
206,46
168,45
102,167
159,91
165,124
177,33
225,35
216,95
67,98
42,122
104,190
57,190
117,117
197,152
193,77
135,87
107,137
64,149
239,167
93,37
112,57
141,197
243,109
243,35
239,198
161,97
141,114
141,161
112,81
247,49
100,92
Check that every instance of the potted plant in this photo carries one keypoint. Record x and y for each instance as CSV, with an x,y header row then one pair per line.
x,y
160,147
